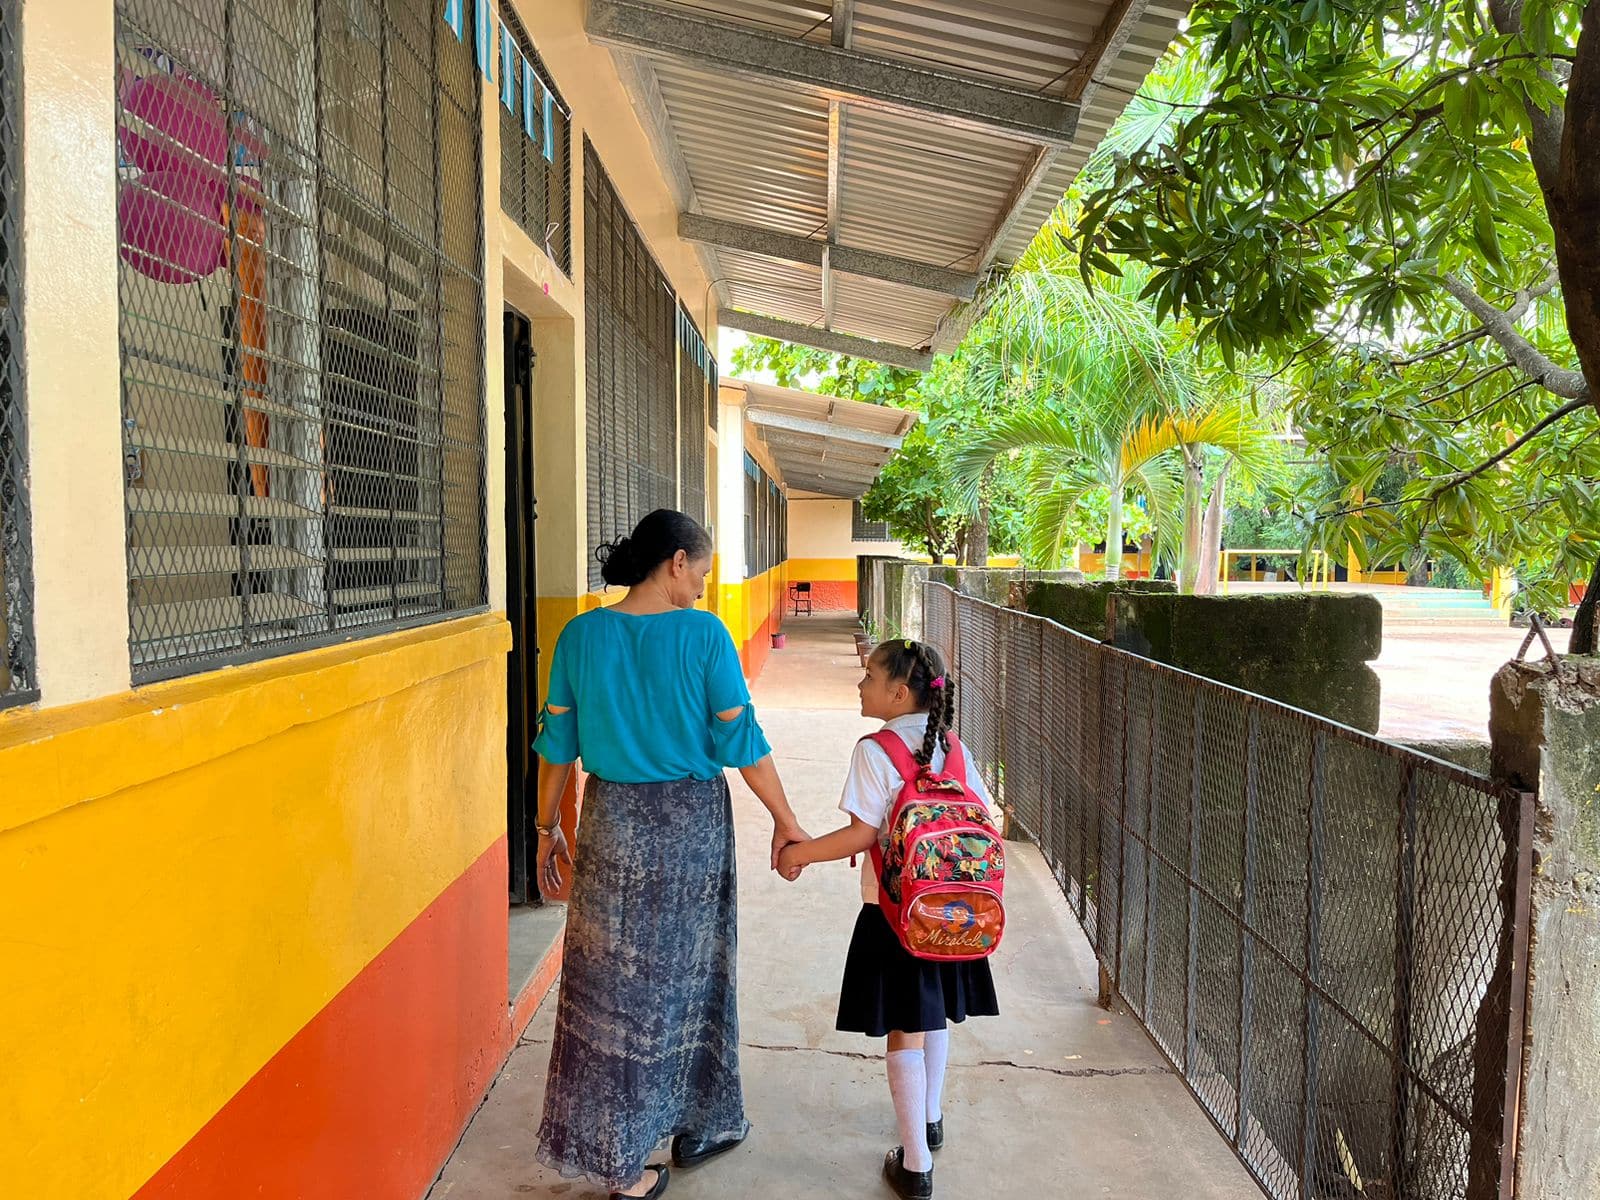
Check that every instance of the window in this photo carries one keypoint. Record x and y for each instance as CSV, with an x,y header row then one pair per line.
x,y
863,530
765,513
692,383
16,585
302,327
632,388
534,190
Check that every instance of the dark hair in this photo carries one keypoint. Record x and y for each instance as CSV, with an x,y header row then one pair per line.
x,y
633,559
918,665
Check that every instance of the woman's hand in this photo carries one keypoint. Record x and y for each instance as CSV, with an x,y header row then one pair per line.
x,y
552,853
789,864
784,834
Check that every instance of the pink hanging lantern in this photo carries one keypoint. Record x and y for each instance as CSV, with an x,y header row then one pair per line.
x,y
172,228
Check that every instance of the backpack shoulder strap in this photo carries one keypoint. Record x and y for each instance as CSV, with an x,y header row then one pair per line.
x,y
955,759
892,745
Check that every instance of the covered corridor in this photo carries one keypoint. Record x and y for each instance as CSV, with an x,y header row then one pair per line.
x,y
1065,1097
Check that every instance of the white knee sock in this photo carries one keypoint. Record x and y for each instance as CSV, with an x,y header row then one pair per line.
x,y
936,1054
908,1084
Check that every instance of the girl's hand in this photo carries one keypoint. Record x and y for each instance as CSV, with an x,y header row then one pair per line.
x,y
552,853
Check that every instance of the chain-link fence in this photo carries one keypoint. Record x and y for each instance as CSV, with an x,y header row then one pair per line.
x,y
1324,933
16,587
302,323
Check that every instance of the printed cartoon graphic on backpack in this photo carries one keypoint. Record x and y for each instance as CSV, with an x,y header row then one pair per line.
x,y
942,871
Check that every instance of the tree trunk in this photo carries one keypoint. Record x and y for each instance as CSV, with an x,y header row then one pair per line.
x,y
1211,534
1417,569
978,535
1194,483
1114,534
1586,627
1574,209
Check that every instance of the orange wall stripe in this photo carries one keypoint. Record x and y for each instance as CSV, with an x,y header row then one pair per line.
x,y
368,1099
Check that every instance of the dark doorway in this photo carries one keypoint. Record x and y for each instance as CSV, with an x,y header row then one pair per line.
x,y
522,669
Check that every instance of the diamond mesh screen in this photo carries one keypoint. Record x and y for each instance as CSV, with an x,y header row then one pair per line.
x,y
632,376
1324,933
535,191
302,323
863,530
692,362
16,586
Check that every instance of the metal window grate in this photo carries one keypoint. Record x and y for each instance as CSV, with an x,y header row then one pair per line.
x,y
863,530
537,192
632,389
714,401
765,514
302,324
17,682
692,362
1325,934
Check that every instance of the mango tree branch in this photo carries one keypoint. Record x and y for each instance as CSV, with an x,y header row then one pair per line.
x,y
1529,359
1566,410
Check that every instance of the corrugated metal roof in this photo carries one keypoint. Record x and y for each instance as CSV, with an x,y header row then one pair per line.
x,y
756,151
822,443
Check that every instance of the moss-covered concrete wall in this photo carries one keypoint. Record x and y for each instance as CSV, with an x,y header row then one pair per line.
x,y
1310,651
1081,605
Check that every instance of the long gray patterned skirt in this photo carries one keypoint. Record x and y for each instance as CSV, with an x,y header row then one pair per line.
x,y
647,1023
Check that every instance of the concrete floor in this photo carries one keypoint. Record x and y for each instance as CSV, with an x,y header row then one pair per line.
x,y
1069,1099
1436,679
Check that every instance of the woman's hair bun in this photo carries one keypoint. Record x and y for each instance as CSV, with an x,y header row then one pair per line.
x,y
618,563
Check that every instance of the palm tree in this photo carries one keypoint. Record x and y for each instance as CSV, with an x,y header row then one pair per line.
x,y
1107,397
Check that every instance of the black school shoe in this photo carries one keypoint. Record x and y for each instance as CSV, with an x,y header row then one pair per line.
x,y
936,1134
908,1185
654,1193
690,1151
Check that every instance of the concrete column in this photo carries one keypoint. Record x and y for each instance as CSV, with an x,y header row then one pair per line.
x,y
74,380
1545,726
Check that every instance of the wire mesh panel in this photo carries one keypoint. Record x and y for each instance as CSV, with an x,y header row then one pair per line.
x,y
16,585
692,360
302,328
863,530
1325,933
536,154
632,376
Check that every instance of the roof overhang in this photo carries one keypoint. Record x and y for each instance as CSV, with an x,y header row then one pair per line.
x,y
822,444
851,170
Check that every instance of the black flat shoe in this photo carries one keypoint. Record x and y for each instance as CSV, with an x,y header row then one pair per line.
x,y
908,1185
936,1134
690,1151
653,1193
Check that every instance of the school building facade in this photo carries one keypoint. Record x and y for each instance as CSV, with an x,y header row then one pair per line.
x,y
335,335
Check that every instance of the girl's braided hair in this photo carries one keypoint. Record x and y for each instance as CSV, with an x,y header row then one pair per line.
x,y
921,668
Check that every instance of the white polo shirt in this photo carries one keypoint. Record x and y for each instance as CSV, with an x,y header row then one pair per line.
x,y
873,784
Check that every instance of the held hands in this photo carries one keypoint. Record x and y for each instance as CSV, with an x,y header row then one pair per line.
x,y
786,837
552,853
789,864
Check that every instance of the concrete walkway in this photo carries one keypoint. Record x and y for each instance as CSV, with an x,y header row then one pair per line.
x,y
1068,1100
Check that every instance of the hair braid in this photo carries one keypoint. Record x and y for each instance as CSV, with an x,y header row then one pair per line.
x,y
918,665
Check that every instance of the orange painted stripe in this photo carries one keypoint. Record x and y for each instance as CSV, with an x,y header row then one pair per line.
x,y
369,1098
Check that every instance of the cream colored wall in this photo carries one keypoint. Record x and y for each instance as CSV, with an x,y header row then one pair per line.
x,y
69,309
823,529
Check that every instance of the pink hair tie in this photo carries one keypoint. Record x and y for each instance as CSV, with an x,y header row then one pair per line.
x,y
937,682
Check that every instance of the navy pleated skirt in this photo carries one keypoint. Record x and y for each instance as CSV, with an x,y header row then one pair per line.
x,y
887,990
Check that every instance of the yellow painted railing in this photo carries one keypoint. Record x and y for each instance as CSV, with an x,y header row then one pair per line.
x,y
1318,576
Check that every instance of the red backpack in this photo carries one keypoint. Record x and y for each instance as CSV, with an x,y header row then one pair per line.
x,y
939,882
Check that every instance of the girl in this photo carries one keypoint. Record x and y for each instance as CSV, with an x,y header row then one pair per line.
x,y
887,992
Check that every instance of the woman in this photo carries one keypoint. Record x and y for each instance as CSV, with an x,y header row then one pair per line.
x,y
650,695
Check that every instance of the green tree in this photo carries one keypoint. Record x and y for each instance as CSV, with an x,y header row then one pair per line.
x,y
1397,205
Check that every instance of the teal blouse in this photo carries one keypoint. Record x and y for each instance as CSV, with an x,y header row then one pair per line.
x,y
643,692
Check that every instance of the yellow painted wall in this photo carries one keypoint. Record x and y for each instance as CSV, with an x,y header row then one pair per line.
x,y
189,873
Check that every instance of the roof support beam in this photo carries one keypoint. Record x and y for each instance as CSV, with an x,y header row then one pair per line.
x,y
844,19
753,239
650,28
827,339
1108,42
789,423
